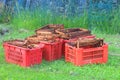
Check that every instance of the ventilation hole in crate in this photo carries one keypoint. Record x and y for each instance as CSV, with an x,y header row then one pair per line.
x,y
17,58
88,58
70,56
98,56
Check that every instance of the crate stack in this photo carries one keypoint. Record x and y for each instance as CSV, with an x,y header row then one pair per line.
x,y
51,42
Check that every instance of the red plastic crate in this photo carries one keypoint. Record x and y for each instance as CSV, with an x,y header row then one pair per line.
x,y
70,40
63,45
22,56
81,56
52,51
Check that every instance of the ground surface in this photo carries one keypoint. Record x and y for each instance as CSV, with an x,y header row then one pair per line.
x,y
60,70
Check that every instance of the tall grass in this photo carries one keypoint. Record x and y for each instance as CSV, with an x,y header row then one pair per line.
x,y
33,20
98,21
6,12
106,22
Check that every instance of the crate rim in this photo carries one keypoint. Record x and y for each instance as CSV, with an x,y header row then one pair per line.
x,y
105,44
48,43
40,46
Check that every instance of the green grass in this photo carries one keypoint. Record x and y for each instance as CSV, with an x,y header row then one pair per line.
x,y
105,22
100,23
59,69
33,20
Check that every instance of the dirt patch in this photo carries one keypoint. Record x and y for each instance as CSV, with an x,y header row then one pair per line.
x,y
4,29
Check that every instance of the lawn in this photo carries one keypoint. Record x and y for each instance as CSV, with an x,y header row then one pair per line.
x,y
59,69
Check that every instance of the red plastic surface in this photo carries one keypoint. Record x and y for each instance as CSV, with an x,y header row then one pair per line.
x,y
52,51
63,45
22,56
81,56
